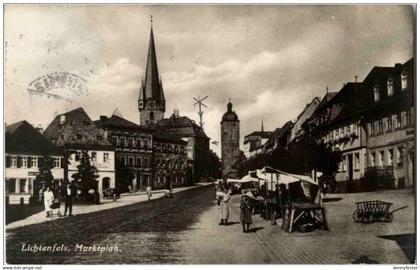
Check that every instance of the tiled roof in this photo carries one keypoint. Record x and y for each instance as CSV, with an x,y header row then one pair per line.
x,y
77,128
22,138
118,122
181,126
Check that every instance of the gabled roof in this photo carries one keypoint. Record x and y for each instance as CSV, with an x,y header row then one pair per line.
x,y
22,138
262,134
278,134
181,126
117,122
75,127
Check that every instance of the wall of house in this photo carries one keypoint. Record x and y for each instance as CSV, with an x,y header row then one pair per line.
x,y
20,181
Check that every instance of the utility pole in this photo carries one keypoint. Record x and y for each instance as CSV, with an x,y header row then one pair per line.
x,y
200,103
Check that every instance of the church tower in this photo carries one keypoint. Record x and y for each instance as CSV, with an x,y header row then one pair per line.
x,y
151,100
230,141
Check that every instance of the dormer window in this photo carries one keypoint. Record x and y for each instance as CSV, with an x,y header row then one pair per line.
x,y
376,92
390,86
404,80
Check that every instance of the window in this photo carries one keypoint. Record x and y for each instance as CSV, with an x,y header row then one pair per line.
x,y
399,157
381,158
130,142
344,163
390,161
376,92
408,118
123,161
138,162
390,86
389,123
93,156
114,140
34,162
24,162
146,144
337,135
12,185
122,141
13,161
78,155
138,143
404,80
22,185
146,162
380,126
158,179
347,130
106,157
372,159
57,162
356,161
398,121
130,161
341,132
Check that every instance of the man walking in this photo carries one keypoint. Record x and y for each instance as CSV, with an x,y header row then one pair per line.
x,y
69,192
149,192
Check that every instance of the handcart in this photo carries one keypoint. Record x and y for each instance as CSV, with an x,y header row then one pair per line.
x,y
372,211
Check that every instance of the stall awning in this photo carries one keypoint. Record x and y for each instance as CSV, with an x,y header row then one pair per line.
x,y
282,177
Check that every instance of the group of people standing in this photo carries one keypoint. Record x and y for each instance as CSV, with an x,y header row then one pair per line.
x,y
68,193
223,195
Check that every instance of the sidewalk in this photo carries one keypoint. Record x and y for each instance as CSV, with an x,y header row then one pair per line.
x,y
125,199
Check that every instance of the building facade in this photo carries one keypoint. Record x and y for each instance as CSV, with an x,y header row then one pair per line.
x,y
389,119
229,141
75,132
307,112
254,142
171,165
198,147
133,152
25,149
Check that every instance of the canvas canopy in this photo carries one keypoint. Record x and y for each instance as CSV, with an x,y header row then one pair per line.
x,y
273,176
245,179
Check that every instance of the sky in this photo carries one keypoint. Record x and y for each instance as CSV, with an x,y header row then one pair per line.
x,y
269,60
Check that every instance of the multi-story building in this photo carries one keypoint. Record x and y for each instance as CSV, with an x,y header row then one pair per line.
x,y
336,123
389,117
25,149
133,151
307,112
171,165
198,149
75,132
254,142
280,138
372,123
229,141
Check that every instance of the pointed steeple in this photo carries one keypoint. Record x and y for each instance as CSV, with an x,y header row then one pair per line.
x,y
152,86
262,125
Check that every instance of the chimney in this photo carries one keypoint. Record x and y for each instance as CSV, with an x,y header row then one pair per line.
x,y
62,119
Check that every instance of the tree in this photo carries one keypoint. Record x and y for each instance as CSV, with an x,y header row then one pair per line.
x,y
86,176
45,176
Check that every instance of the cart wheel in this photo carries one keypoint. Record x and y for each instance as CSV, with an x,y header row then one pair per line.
x,y
356,216
389,217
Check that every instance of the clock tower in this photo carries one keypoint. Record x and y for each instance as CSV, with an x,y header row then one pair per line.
x,y
151,102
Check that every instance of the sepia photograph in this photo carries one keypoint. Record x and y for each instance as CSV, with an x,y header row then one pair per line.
x,y
156,134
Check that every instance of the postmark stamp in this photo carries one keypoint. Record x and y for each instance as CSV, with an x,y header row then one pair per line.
x,y
59,85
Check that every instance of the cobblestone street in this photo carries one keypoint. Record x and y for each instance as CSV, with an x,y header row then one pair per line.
x,y
184,230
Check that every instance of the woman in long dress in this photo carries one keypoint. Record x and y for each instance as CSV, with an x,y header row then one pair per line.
x,y
224,208
246,213
48,201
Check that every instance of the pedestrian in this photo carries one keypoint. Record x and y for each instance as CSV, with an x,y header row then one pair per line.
x,y
149,192
246,213
48,201
69,192
224,208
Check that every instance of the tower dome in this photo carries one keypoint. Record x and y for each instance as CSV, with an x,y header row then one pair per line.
x,y
229,116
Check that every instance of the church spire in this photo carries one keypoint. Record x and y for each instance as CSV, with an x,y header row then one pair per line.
x,y
152,87
262,125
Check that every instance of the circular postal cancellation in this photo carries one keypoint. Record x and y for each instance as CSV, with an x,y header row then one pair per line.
x,y
58,85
